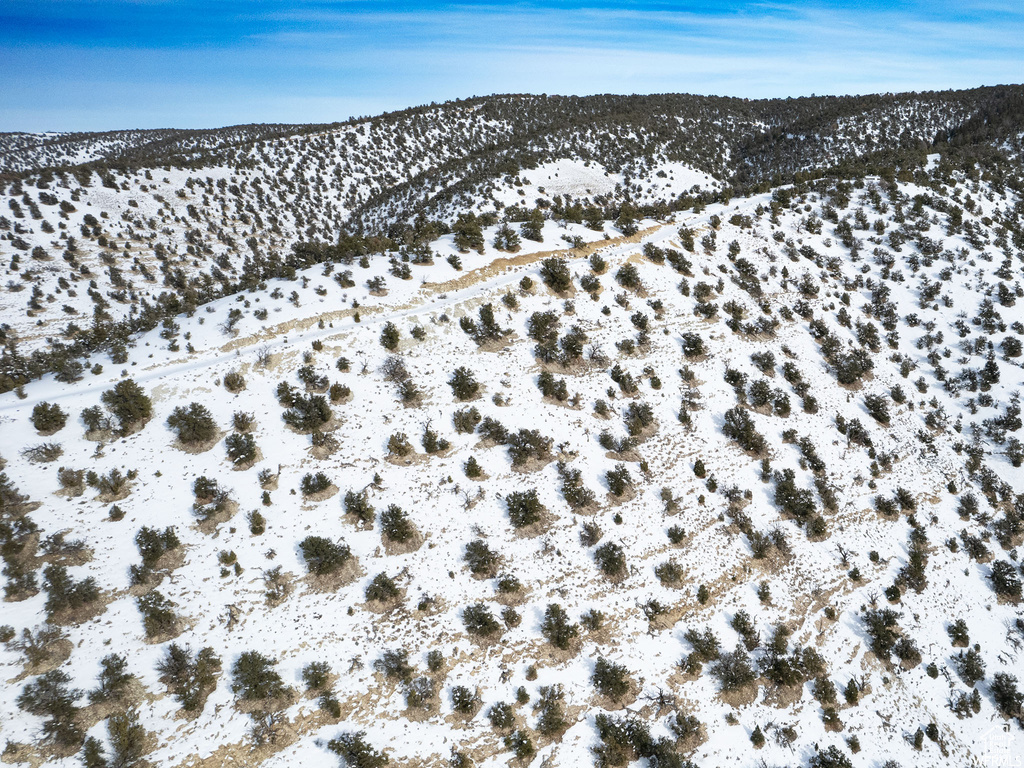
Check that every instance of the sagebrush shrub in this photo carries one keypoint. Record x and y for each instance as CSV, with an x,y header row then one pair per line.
x,y
314,483
241,448
481,559
48,418
395,524
382,588
128,403
464,385
524,508
610,679
254,677
323,556
556,627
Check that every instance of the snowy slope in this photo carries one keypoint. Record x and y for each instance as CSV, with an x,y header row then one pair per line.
x,y
797,254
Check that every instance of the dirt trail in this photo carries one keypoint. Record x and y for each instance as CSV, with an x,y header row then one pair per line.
x,y
433,297
498,266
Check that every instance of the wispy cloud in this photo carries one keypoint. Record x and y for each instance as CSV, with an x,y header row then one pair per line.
x,y
111,64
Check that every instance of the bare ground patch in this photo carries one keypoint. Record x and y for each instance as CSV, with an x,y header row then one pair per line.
x,y
194,449
413,543
324,495
332,582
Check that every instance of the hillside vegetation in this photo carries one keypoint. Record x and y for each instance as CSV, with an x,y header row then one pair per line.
x,y
667,431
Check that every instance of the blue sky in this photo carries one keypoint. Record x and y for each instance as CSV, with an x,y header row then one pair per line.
x,y
100,64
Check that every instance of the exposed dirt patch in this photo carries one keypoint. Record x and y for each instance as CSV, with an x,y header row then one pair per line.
x,y
669,618
326,493
548,655
783,696
532,464
93,713
615,704
194,449
70,491
18,753
386,606
497,345
208,525
181,623
500,265
543,525
411,544
331,582
408,460
109,498
512,598
248,464
56,653
76,616
627,495
741,697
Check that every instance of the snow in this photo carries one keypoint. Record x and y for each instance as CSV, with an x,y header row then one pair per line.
x,y
312,626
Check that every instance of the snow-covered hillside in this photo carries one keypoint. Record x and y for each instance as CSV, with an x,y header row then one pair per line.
x,y
742,487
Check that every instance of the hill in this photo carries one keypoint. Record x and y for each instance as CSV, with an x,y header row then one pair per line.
x,y
641,464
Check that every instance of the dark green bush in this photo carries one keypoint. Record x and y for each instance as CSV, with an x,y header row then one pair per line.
x,y
528,444
1005,581
555,274
524,508
611,559
501,715
307,413
611,680
382,588
1009,701
481,559
394,664
618,479
733,670
878,407
432,442
356,752
241,448
738,426
127,738
323,556
479,620
464,701
420,693
49,696
113,679
399,445
190,679
95,419
466,420
628,276
153,544
48,418
64,593
472,468
253,677
556,627
576,494
520,744
158,616
316,675
234,381
128,403
464,385
311,483
390,336
395,524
